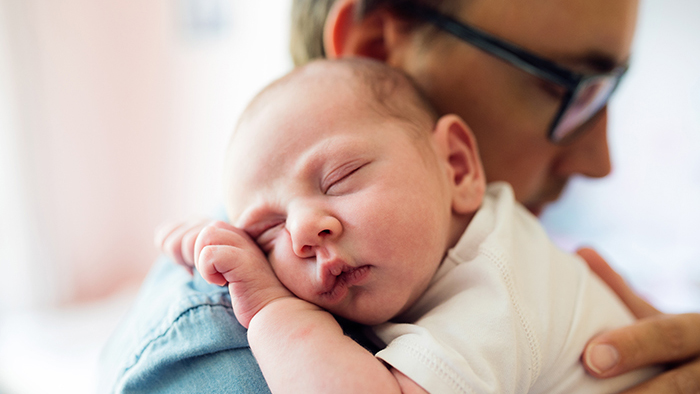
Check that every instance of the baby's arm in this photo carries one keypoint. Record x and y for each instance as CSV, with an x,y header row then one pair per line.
x,y
300,347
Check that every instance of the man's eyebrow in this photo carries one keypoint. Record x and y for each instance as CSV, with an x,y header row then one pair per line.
x,y
596,61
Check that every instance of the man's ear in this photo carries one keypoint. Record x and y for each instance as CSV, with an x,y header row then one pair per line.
x,y
372,36
458,148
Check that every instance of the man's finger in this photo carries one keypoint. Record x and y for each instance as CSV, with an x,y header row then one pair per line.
x,y
682,380
655,340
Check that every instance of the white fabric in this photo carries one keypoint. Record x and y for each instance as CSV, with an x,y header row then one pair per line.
x,y
507,312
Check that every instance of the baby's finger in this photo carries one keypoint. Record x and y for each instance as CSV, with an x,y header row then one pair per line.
x,y
169,244
163,231
187,243
169,238
219,233
211,260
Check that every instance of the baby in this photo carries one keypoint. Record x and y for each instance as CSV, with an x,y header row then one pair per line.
x,y
351,197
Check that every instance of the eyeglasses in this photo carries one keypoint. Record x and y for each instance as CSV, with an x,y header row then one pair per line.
x,y
586,94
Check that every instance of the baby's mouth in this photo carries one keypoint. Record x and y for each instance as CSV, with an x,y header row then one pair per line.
x,y
337,285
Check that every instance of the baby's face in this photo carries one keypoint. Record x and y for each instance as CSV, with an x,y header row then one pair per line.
x,y
352,210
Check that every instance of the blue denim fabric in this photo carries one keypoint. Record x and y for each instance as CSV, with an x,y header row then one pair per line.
x,y
180,337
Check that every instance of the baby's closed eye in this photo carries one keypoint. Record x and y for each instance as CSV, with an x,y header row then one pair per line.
x,y
337,182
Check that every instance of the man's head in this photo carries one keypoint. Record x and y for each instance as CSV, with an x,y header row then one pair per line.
x,y
510,110
344,176
309,20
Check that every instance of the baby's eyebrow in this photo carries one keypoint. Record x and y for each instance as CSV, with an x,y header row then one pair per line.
x,y
312,161
327,152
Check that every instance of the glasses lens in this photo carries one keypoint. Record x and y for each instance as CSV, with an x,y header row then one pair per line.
x,y
587,101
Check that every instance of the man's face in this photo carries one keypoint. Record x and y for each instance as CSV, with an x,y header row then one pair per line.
x,y
352,214
510,110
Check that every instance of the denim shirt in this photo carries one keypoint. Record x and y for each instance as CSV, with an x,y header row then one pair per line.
x,y
181,336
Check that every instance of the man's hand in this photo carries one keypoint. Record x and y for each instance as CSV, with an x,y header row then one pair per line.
x,y
655,338
225,254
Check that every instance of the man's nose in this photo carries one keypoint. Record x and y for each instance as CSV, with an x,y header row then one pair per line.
x,y
310,228
589,155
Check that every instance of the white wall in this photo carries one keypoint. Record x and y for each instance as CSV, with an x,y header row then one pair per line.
x,y
19,240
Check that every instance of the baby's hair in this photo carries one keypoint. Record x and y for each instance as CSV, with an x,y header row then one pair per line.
x,y
393,93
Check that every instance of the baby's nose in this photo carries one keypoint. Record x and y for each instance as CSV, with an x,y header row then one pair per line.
x,y
310,229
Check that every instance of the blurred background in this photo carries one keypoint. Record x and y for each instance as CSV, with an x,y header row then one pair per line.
x,y
113,117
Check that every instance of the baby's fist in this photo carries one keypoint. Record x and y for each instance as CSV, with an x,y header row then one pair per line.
x,y
226,254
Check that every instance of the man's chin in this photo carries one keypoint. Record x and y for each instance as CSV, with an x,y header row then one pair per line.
x,y
535,209
551,194
539,205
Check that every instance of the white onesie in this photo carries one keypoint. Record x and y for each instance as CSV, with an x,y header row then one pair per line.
x,y
507,312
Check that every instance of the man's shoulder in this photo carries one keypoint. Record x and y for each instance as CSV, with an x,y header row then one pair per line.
x,y
176,321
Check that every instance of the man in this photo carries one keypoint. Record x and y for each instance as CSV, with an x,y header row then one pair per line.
x,y
504,104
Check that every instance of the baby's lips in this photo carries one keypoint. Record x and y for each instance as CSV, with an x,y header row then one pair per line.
x,y
329,272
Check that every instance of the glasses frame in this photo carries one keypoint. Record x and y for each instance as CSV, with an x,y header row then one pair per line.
x,y
543,68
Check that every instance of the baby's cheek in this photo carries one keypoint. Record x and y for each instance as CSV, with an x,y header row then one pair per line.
x,y
409,220
290,271
288,278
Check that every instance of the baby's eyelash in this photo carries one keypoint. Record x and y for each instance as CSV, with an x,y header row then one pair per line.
x,y
344,177
354,167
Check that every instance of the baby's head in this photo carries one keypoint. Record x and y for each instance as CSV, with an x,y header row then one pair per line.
x,y
346,178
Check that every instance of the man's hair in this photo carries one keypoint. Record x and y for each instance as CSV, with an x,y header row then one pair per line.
x,y
306,35
309,18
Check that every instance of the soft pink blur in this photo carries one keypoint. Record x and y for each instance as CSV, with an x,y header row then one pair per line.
x,y
105,121
123,109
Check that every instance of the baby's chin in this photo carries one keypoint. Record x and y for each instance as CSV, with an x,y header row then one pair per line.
x,y
368,318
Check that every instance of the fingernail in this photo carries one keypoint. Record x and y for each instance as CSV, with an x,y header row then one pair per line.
x,y
602,358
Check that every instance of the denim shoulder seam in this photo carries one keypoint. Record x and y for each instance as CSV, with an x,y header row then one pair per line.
x,y
170,326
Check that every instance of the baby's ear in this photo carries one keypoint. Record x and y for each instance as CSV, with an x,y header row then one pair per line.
x,y
466,174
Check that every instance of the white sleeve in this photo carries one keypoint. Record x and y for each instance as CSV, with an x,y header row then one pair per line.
x,y
474,339
420,356
507,312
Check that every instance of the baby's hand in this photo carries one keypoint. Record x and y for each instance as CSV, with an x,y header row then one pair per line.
x,y
176,240
225,254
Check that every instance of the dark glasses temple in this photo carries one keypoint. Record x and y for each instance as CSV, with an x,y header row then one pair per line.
x,y
504,50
